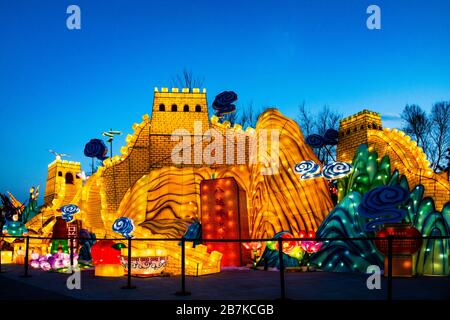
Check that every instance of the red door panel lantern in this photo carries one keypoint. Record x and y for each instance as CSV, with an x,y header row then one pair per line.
x,y
399,246
224,216
402,249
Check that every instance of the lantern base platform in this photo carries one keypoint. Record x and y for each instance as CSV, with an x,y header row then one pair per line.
x,y
402,265
109,270
182,293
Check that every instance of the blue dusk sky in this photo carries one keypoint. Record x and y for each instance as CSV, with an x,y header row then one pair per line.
x,y
60,87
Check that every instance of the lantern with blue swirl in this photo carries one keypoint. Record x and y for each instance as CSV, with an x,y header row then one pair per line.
x,y
223,103
336,170
68,211
96,148
307,169
315,140
331,137
124,226
381,205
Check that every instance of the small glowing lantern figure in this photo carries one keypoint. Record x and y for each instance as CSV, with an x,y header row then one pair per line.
x,y
106,259
14,227
402,249
255,248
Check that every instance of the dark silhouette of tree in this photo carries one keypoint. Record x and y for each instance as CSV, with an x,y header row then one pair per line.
x,y
318,123
231,117
305,119
440,134
187,79
249,115
417,125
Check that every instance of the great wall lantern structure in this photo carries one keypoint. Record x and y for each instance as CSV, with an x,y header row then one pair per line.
x,y
241,199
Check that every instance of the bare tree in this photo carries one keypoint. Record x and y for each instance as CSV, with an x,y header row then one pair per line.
x,y
305,119
249,116
231,117
187,79
318,123
440,133
417,125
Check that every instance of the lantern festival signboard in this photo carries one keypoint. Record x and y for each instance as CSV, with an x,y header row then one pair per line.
x,y
224,216
145,266
72,233
145,262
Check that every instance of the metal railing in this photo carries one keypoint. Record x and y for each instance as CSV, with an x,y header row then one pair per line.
x,y
184,292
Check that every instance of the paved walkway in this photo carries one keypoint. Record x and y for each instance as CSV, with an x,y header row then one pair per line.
x,y
229,284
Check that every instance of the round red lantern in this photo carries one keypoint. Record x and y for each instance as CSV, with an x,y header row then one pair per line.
x,y
106,259
399,246
103,253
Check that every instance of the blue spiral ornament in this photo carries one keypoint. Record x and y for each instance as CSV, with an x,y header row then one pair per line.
x,y
381,205
315,140
96,148
223,103
331,137
336,170
124,226
307,169
68,211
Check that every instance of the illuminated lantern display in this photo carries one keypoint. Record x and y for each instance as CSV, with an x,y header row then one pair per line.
x,y
224,217
59,236
288,246
68,211
14,227
7,257
106,259
255,248
402,249
309,246
124,226
145,262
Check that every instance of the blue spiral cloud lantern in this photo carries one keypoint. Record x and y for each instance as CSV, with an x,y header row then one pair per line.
x,y
331,137
336,170
223,103
68,211
307,169
96,148
315,140
381,204
124,226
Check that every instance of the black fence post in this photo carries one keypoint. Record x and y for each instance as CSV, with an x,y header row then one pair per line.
x,y
183,291
129,286
389,288
71,255
281,262
27,248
